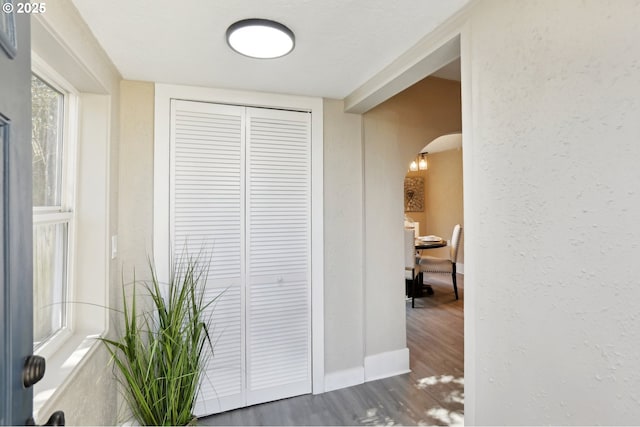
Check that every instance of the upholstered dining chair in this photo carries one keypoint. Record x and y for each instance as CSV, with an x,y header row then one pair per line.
x,y
411,268
430,264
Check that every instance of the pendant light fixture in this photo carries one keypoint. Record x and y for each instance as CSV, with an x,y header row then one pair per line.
x,y
413,166
260,38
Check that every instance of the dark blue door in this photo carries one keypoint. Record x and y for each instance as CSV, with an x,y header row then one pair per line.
x,y
16,269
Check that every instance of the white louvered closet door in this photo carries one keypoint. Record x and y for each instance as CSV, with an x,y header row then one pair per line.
x,y
241,189
278,291
207,209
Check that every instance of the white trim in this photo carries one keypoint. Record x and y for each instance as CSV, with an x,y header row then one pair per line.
x,y
387,364
363,239
317,247
90,248
64,213
161,184
92,270
435,50
64,217
92,215
460,268
382,87
344,378
58,38
51,76
163,95
469,231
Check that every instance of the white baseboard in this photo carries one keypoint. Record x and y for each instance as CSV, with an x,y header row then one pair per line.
x,y
344,378
386,364
376,367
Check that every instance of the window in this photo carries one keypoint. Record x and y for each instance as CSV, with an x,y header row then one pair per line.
x,y
71,212
52,208
73,215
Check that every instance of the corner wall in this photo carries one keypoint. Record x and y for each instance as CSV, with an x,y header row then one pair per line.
x,y
135,216
343,247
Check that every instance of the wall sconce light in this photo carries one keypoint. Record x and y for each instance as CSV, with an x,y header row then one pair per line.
x,y
422,164
419,163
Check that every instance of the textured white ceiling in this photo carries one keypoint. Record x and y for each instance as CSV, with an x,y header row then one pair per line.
x,y
340,44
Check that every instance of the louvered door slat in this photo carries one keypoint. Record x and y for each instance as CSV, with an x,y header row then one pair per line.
x,y
278,255
207,207
240,189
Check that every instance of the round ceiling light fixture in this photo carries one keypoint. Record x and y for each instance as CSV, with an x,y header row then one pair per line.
x,y
260,38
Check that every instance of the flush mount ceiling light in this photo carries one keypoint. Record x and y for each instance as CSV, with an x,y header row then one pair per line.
x,y
260,38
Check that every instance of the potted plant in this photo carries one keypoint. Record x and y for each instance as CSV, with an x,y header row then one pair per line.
x,y
159,356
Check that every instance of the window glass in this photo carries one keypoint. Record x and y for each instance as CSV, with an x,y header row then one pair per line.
x,y
49,279
52,225
47,106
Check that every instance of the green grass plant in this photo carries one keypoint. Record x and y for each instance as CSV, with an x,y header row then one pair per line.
x,y
159,357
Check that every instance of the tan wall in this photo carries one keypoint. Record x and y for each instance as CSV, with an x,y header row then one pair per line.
x,y
343,251
394,132
443,190
135,199
136,176
443,198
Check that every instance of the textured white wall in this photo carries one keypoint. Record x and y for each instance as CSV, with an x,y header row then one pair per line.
x,y
554,232
343,245
89,399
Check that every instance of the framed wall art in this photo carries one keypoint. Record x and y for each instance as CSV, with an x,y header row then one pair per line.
x,y
414,194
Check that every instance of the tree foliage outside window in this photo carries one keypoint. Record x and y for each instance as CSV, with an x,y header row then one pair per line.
x,y
47,106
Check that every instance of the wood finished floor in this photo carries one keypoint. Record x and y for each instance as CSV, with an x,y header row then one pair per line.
x,y
431,394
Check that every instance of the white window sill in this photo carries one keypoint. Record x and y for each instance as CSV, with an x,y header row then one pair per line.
x,y
60,371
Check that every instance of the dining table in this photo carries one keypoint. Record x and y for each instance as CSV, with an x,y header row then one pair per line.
x,y
429,244
421,244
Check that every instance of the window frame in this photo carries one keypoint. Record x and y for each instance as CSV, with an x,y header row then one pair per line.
x,y
73,53
64,213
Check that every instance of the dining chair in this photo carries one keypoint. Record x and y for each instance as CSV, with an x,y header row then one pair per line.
x,y
431,264
411,268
